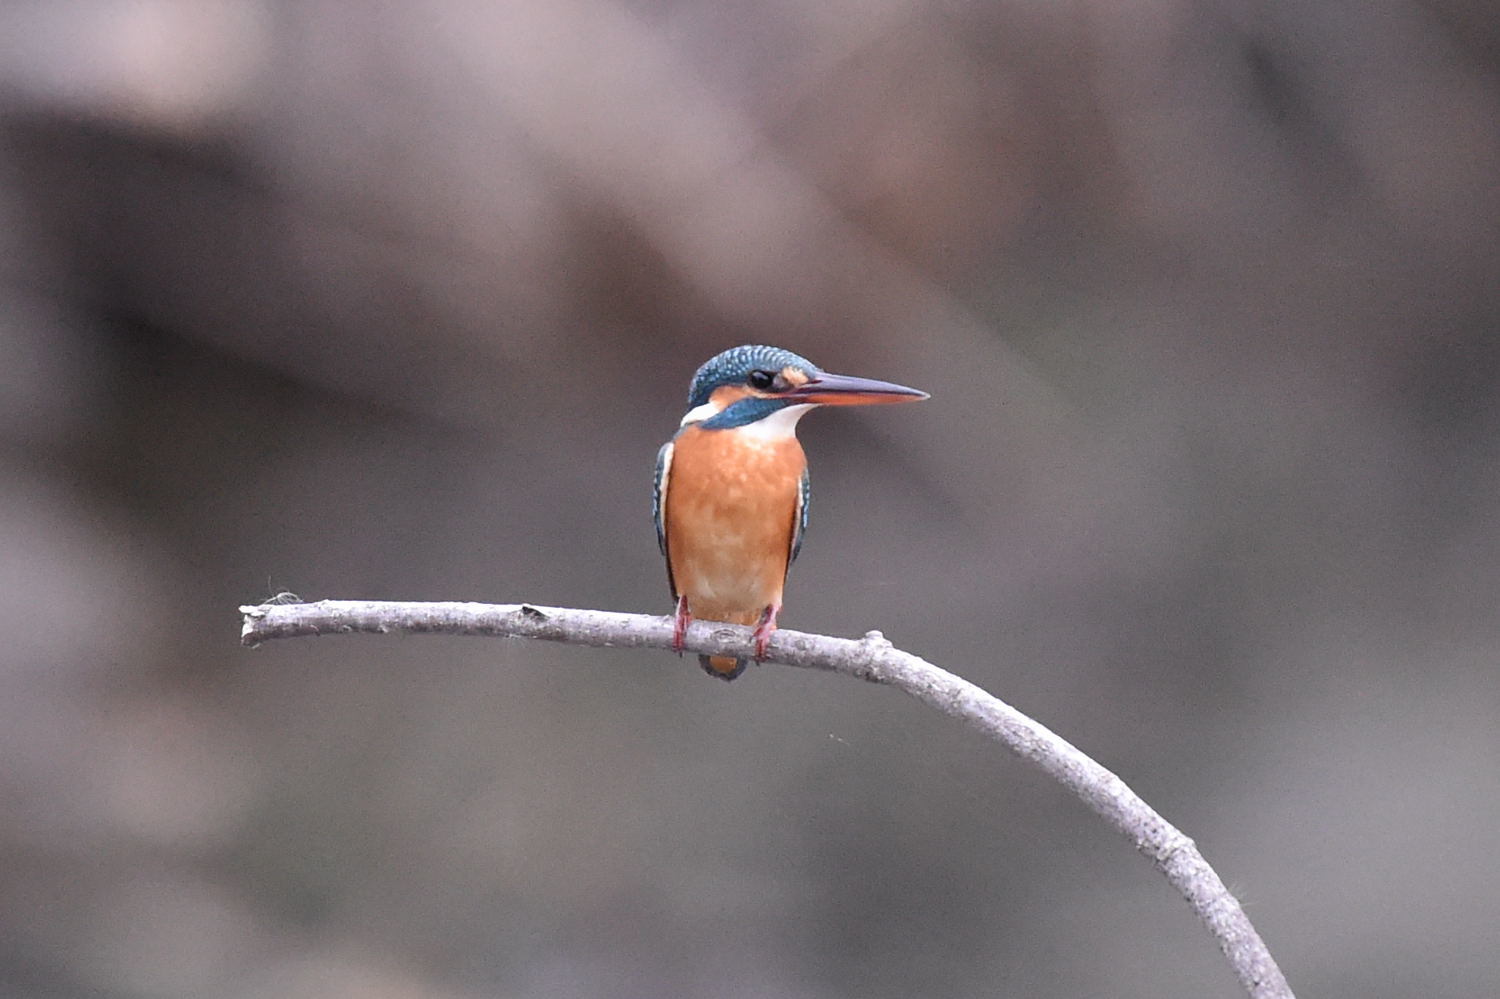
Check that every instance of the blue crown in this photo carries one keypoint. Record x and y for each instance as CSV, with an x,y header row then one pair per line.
x,y
732,366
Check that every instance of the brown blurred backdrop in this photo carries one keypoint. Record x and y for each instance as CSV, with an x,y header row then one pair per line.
x,y
397,300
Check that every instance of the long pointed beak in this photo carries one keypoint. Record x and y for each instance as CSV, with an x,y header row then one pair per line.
x,y
845,390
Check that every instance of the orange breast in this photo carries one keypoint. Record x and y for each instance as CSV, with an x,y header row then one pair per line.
x,y
731,507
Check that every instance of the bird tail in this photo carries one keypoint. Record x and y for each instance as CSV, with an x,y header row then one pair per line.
x,y
723,667
726,667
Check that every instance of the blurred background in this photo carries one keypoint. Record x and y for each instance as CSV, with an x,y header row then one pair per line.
x,y
397,300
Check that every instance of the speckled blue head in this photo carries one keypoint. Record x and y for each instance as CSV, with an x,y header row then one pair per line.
x,y
767,389
733,366
736,367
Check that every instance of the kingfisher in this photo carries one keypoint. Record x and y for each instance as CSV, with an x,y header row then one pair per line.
x,y
732,490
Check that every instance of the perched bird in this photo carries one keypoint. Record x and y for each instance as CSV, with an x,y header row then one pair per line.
x,y
732,489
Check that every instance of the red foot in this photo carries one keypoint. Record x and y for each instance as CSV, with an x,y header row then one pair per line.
x,y
680,623
764,629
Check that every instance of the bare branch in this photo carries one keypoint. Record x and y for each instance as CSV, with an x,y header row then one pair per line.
x,y
871,658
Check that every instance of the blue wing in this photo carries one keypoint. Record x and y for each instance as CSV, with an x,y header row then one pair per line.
x,y
799,528
659,507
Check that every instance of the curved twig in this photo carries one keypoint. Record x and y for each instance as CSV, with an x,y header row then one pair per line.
x,y
871,658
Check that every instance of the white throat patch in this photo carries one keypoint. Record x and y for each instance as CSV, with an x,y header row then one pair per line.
x,y
779,425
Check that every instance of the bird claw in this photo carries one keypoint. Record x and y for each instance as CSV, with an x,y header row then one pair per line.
x,y
764,630
680,622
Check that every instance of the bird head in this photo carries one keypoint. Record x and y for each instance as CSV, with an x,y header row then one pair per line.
x,y
770,388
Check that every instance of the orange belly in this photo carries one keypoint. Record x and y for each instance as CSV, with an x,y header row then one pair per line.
x,y
731,510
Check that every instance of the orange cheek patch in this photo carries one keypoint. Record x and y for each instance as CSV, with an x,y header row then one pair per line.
x,y
727,395
795,376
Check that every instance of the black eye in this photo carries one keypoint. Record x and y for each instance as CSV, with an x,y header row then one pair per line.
x,y
762,380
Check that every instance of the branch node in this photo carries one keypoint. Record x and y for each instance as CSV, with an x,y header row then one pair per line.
x,y
1178,844
534,613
